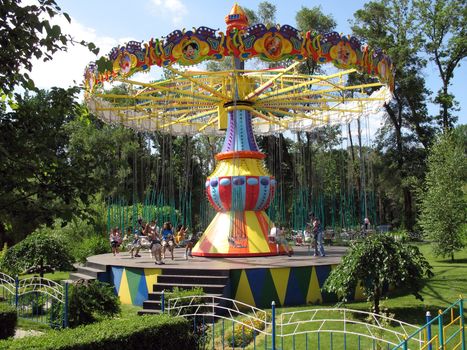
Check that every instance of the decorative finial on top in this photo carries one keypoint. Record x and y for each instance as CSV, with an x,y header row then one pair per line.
x,y
237,18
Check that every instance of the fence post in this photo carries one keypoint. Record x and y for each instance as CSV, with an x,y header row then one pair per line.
x,y
163,301
65,307
428,329
462,321
405,344
16,292
440,330
273,335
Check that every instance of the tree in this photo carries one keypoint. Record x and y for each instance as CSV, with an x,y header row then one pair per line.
x,y
443,199
391,26
26,32
443,25
38,180
40,252
378,262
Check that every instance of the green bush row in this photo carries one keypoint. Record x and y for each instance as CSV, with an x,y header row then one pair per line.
x,y
137,332
8,319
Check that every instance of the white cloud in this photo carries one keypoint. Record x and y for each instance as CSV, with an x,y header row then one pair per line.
x,y
67,67
174,8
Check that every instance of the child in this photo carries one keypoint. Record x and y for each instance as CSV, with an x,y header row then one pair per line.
x,y
115,240
190,244
136,245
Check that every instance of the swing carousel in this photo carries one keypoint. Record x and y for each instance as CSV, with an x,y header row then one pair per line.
x,y
238,103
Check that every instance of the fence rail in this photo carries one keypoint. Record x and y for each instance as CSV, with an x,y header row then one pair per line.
x,y
298,329
35,298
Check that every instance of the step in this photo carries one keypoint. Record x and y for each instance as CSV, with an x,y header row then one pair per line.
x,y
97,266
152,305
149,312
91,271
74,276
207,288
192,279
195,272
156,296
156,304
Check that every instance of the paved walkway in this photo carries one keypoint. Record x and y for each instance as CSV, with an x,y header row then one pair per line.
x,y
301,258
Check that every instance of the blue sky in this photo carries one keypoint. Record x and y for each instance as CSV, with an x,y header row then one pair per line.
x,y
108,23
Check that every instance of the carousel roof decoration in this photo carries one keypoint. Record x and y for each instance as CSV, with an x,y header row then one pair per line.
x,y
280,98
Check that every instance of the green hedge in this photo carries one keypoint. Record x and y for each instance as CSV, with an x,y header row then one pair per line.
x,y
8,319
137,332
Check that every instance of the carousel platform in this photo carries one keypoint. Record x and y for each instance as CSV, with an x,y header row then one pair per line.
x,y
257,281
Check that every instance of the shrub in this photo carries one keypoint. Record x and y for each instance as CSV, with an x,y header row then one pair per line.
x,y
92,301
41,250
89,246
244,333
180,293
137,332
8,319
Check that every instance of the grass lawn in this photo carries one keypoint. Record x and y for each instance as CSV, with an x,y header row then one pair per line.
x,y
56,276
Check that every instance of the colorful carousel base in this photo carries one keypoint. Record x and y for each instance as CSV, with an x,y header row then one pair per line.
x,y
256,281
237,234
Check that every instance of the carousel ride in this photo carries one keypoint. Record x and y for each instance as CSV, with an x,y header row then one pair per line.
x,y
238,103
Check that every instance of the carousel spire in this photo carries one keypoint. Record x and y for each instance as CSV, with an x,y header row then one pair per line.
x,y
236,19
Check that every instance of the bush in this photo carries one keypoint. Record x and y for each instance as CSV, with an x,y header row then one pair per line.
x,y
243,335
8,320
180,293
41,250
91,302
137,332
89,246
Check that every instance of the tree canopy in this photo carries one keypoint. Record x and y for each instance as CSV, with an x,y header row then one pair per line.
x,y
379,262
443,197
27,32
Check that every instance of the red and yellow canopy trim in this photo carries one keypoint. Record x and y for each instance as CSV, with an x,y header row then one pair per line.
x,y
271,44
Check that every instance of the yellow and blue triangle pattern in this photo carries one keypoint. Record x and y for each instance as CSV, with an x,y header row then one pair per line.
x,y
132,285
285,286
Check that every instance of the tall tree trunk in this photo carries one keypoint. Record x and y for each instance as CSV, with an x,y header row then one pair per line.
x,y
376,299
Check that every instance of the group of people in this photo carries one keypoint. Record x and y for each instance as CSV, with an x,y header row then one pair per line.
x,y
159,240
313,235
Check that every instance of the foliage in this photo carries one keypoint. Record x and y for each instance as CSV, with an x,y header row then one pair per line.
x,y
379,261
89,246
3,252
392,26
443,200
243,335
38,180
28,33
39,252
182,293
92,301
8,320
443,26
137,332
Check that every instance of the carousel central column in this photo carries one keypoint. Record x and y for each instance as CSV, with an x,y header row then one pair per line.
x,y
240,189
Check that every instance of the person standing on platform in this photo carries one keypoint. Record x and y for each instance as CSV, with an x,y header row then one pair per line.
x,y
115,240
318,235
156,246
168,239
